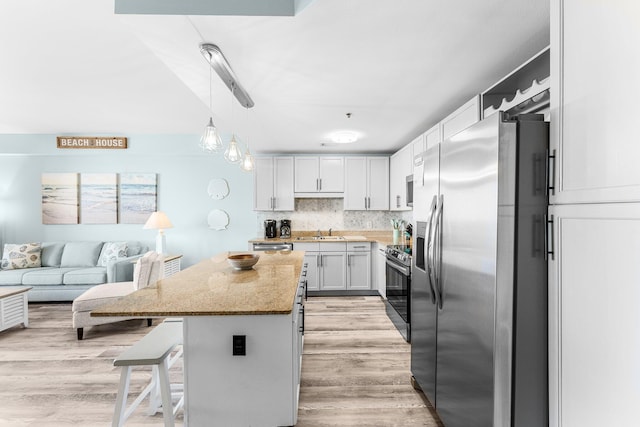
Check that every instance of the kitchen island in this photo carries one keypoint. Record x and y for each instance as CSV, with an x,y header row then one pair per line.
x,y
242,336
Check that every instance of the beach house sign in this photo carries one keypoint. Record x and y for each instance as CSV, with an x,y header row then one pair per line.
x,y
102,142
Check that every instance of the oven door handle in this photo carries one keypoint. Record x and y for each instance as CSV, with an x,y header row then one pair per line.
x,y
401,269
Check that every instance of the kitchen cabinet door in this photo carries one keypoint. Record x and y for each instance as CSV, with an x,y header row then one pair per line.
x,y
594,100
356,185
273,184
462,118
331,174
432,137
380,269
358,270
319,175
400,165
378,183
263,184
366,183
333,270
418,145
594,325
313,277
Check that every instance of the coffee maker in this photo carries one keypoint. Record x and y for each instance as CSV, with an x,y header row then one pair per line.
x,y
285,228
270,228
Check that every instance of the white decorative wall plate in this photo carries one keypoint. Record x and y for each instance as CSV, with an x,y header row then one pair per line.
x,y
218,188
218,219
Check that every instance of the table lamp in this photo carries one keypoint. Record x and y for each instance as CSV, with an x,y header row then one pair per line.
x,y
158,220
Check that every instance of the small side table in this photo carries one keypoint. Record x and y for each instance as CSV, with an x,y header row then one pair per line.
x,y
14,309
171,264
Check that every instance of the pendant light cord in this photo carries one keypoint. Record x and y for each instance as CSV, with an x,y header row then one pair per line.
x,y
210,93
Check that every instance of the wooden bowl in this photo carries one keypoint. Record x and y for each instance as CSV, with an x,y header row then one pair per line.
x,y
243,261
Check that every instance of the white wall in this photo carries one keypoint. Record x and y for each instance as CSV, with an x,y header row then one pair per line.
x,y
183,172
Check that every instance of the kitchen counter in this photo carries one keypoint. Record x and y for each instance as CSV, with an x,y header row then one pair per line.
x,y
384,237
242,336
213,288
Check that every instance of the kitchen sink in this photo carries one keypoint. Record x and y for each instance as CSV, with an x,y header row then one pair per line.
x,y
320,238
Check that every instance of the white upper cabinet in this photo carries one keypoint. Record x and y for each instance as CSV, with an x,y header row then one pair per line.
x,y
273,184
418,145
432,137
594,100
462,118
366,184
315,175
400,166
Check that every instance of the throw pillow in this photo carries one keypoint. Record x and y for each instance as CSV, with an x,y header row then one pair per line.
x,y
112,251
142,270
26,255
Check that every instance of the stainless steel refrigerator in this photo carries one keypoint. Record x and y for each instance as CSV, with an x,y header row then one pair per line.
x,y
479,278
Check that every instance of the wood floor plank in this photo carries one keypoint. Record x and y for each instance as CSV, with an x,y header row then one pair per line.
x,y
355,370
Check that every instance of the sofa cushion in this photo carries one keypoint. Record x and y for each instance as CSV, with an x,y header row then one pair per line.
x,y
52,254
112,251
81,254
101,294
142,270
45,276
135,248
22,255
13,277
86,276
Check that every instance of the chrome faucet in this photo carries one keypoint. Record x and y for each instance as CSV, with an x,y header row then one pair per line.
x,y
319,234
329,232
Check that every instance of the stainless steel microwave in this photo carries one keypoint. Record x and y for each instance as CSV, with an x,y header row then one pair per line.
x,y
409,190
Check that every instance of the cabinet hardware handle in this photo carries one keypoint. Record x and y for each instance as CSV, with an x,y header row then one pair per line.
x,y
365,203
550,172
320,184
397,201
549,242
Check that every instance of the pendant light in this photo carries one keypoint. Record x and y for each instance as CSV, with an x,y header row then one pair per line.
x,y
247,164
233,154
210,140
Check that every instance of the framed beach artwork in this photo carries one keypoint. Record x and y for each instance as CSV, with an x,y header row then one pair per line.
x,y
59,198
137,197
98,198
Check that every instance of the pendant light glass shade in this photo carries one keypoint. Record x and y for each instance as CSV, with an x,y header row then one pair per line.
x,y
233,154
210,140
247,161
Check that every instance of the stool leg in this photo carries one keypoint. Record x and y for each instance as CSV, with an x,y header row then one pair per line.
x,y
165,391
154,394
121,399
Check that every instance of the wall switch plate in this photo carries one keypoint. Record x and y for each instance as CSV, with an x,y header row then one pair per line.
x,y
239,345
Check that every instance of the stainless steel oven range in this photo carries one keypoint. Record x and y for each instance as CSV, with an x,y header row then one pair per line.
x,y
398,274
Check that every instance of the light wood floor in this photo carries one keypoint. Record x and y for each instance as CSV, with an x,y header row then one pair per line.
x,y
355,370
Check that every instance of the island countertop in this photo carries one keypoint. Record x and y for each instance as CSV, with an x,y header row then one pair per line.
x,y
213,288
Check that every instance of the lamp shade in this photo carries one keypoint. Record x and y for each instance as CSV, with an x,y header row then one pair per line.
x,y
158,220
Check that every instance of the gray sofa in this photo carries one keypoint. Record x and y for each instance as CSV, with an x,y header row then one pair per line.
x,y
70,268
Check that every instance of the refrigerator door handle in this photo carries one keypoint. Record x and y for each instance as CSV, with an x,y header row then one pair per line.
x,y
428,251
437,254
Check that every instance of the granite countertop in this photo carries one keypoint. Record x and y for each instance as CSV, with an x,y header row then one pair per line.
x,y
384,237
213,288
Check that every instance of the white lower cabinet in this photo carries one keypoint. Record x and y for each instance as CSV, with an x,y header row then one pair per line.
x,y
594,325
379,269
337,266
359,265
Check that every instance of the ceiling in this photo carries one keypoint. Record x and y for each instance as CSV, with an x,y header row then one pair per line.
x,y
75,67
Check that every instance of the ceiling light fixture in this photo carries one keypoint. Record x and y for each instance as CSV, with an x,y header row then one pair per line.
x,y
344,137
233,154
247,163
211,140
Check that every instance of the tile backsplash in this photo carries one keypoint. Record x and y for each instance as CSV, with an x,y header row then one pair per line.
x,y
314,214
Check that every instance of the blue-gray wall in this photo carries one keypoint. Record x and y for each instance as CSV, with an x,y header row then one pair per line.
x,y
183,173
